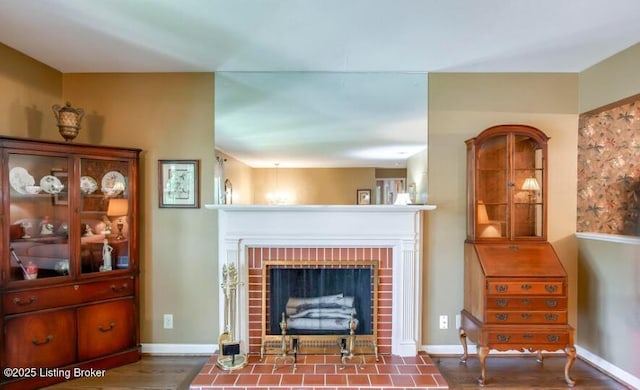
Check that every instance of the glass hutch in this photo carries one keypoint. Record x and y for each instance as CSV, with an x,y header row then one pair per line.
x,y
69,256
515,294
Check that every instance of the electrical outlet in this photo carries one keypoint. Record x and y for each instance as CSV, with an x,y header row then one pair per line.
x,y
168,321
444,322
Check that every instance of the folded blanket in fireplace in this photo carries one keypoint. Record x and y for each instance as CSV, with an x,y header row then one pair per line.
x,y
322,312
319,323
325,313
337,301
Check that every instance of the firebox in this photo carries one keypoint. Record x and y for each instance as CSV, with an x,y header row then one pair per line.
x,y
319,301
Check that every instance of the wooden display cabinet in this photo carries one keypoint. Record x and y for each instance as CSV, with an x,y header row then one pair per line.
x,y
515,285
69,286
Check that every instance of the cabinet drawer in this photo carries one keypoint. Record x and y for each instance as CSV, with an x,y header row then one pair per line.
x,y
525,287
525,338
526,317
105,328
523,302
70,294
40,340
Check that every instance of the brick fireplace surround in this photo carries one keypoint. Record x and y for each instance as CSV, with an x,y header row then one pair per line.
x,y
390,236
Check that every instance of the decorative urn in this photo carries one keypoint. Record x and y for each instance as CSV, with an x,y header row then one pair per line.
x,y
68,119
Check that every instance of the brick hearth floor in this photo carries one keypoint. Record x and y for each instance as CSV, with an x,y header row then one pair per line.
x,y
323,372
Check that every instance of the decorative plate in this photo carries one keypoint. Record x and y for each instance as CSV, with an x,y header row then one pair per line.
x,y
19,178
88,185
51,184
113,183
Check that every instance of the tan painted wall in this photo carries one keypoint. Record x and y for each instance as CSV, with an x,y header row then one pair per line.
x,y
28,89
611,80
313,185
240,175
461,106
168,116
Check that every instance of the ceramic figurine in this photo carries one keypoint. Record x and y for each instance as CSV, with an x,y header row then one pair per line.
x,y
106,256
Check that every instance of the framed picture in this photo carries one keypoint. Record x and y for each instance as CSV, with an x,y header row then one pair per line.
x,y
61,198
363,196
178,183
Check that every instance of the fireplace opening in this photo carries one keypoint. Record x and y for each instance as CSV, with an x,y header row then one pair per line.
x,y
320,301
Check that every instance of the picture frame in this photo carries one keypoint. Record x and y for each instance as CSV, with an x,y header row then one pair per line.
x,y
61,198
363,196
179,183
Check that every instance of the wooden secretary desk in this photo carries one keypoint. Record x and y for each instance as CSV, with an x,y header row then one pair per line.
x,y
515,286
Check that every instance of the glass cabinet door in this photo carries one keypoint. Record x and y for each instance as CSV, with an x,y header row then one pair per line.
x,y
527,186
39,217
491,189
104,215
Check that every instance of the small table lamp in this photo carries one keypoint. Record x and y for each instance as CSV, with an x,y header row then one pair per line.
x,y
118,208
531,184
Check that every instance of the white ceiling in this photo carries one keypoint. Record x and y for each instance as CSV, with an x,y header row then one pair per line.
x,y
330,36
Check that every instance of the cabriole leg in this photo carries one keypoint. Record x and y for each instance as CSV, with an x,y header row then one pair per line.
x,y
463,341
571,358
483,352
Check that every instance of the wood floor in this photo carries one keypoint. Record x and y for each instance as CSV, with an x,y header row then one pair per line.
x,y
156,372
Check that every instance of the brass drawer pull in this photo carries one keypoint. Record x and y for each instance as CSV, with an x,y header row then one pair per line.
x,y
526,287
551,317
110,328
502,316
551,303
502,302
46,340
119,289
20,302
526,316
552,338
503,338
551,288
501,287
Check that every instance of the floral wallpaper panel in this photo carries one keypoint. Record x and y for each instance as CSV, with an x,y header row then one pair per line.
x,y
609,170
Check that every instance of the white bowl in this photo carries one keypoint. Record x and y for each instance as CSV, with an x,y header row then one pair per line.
x,y
32,189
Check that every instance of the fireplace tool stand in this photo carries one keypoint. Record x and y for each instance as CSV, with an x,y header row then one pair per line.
x,y
285,352
229,357
348,346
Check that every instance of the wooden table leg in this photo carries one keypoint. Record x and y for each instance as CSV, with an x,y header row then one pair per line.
x,y
571,358
463,341
483,352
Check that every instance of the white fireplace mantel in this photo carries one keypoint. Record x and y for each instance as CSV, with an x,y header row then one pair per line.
x,y
316,226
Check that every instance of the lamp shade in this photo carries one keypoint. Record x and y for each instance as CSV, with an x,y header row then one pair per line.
x,y
483,216
118,207
531,184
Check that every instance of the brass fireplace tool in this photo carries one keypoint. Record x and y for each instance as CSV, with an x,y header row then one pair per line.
x,y
285,352
349,345
229,357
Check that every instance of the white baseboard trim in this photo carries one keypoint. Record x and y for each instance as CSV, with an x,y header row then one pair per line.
x,y
584,354
179,349
609,368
